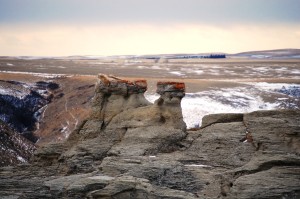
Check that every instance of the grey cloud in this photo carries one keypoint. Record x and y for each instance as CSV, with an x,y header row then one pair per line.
x,y
150,11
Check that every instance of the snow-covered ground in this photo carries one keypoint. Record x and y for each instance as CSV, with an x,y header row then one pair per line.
x,y
22,100
45,75
245,98
252,97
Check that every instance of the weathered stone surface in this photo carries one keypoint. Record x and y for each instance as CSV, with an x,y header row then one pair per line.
x,y
174,89
126,124
113,96
271,183
221,118
130,148
147,141
219,145
131,188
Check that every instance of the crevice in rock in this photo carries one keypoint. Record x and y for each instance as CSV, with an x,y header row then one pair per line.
x,y
266,166
176,178
228,180
212,119
102,110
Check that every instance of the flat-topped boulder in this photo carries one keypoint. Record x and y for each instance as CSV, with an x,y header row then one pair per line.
x,y
112,85
175,89
221,118
114,95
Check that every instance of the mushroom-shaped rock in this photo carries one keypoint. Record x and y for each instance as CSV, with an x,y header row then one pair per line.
x,y
173,89
114,95
112,85
149,128
166,111
121,110
170,93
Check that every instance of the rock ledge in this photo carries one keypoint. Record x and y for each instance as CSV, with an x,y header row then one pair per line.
x,y
130,148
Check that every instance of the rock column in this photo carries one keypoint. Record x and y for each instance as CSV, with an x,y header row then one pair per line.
x,y
114,95
169,103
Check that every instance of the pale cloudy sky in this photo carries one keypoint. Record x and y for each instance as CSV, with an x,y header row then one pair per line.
x,y
115,27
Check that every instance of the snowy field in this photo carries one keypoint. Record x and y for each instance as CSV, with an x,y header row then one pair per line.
x,y
187,68
248,97
246,86
251,97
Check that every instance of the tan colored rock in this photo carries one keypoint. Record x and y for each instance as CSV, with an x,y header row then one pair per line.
x,y
221,118
140,150
113,96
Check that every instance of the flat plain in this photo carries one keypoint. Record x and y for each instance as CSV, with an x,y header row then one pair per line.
x,y
212,85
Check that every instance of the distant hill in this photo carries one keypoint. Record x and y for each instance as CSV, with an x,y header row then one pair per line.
x,y
264,54
269,54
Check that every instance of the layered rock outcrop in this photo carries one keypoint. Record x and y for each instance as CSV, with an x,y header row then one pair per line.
x,y
130,148
21,104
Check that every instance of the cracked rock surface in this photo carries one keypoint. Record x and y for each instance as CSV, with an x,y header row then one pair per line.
x,y
130,148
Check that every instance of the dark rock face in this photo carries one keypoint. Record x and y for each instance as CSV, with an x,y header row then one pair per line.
x,y
291,90
14,148
130,148
19,107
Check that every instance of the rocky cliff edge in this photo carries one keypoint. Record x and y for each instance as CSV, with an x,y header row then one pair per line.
x,y
130,148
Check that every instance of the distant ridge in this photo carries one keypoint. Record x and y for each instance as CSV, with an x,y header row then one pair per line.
x,y
289,53
277,53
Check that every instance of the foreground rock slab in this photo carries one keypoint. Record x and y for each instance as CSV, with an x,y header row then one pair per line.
x,y
130,148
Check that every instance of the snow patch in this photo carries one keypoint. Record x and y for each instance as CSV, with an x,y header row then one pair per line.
x,y
228,100
297,72
178,73
21,159
45,75
197,165
156,67
271,86
60,67
141,67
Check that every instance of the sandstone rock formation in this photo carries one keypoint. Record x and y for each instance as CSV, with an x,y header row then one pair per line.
x,y
130,148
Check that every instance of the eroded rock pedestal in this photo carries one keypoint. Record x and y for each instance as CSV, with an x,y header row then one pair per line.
x,y
130,148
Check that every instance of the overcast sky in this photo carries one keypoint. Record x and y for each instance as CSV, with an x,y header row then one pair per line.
x,y
110,27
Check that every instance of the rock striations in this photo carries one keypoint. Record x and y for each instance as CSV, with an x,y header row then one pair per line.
x,y
14,148
130,148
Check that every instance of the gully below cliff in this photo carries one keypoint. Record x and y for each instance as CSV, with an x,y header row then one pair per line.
x,y
21,104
